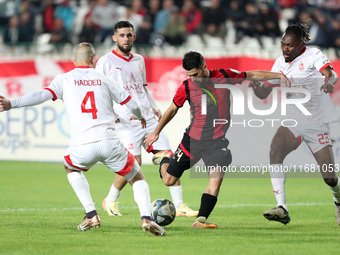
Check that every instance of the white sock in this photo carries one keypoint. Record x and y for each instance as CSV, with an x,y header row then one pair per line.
x,y
82,189
176,195
141,195
278,178
336,191
114,194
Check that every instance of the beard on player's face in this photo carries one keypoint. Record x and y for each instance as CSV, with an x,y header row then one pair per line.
x,y
125,49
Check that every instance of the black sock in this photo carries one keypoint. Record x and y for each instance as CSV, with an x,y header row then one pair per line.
x,y
91,214
164,160
146,217
208,203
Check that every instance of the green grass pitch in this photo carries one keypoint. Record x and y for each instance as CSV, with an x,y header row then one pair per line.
x,y
39,214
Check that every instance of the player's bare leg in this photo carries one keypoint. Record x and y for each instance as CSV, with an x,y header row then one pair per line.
x,y
82,190
141,195
176,191
325,159
111,204
283,143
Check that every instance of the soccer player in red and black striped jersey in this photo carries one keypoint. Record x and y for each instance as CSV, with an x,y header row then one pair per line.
x,y
202,139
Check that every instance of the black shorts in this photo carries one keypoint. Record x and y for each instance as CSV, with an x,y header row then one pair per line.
x,y
190,151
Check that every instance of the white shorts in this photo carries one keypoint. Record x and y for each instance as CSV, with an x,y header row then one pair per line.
x,y
133,137
110,152
315,135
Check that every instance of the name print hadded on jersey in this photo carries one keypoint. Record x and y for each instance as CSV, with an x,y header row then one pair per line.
x,y
87,82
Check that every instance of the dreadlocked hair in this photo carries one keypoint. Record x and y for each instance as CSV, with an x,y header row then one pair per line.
x,y
300,30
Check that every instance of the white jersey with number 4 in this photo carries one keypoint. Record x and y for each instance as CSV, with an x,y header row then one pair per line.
x,y
86,94
305,72
129,74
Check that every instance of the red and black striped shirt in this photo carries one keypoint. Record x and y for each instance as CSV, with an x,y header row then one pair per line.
x,y
217,102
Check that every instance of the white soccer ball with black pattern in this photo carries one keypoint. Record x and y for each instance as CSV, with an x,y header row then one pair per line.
x,y
163,211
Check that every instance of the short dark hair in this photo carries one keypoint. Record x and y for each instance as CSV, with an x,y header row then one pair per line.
x,y
192,60
122,24
300,30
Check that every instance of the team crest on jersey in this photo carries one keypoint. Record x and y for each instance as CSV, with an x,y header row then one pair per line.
x,y
301,66
130,146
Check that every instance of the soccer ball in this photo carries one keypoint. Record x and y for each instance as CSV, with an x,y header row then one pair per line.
x,y
163,212
157,158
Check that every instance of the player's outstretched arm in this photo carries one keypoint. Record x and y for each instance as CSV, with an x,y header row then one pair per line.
x,y
168,115
31,99
260,90
332,78
259,75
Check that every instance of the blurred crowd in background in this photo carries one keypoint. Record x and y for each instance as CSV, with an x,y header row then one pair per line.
x,y
164,22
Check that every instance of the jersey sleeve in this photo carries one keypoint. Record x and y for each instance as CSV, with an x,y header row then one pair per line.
x,y
180,96
321,61
274,82
235,76
56,87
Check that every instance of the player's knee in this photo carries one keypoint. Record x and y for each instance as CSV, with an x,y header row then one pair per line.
x,y
169,180
331,181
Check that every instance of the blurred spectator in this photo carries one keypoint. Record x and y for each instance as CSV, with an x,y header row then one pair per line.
x,y
146,28
192,16
8,9
59,35
28,28
48,15
236,14
13,33
65,12
25,6
248,25
269,22
88,32
335,38
138,7
131,16
214,22
163,16
105,15
175,31
324,30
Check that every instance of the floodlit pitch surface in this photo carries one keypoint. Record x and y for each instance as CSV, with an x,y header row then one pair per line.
x,y
39,214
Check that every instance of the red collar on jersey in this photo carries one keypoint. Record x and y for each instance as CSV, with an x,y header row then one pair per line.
x,y
303,51
84,67
120,56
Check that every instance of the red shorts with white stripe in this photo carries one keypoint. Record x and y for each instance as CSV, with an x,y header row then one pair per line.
x,y
110,152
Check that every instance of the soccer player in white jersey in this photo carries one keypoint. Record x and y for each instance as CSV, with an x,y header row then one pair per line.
x,y
88,98
310,69
128,70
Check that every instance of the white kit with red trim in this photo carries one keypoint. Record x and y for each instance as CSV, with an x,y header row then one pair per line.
x,y
129,74
304,72
85,93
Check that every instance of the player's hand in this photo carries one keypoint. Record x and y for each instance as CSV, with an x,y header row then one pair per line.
x,y
157,113
143,122
5,104
327,88
151,138
285,81
254,84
